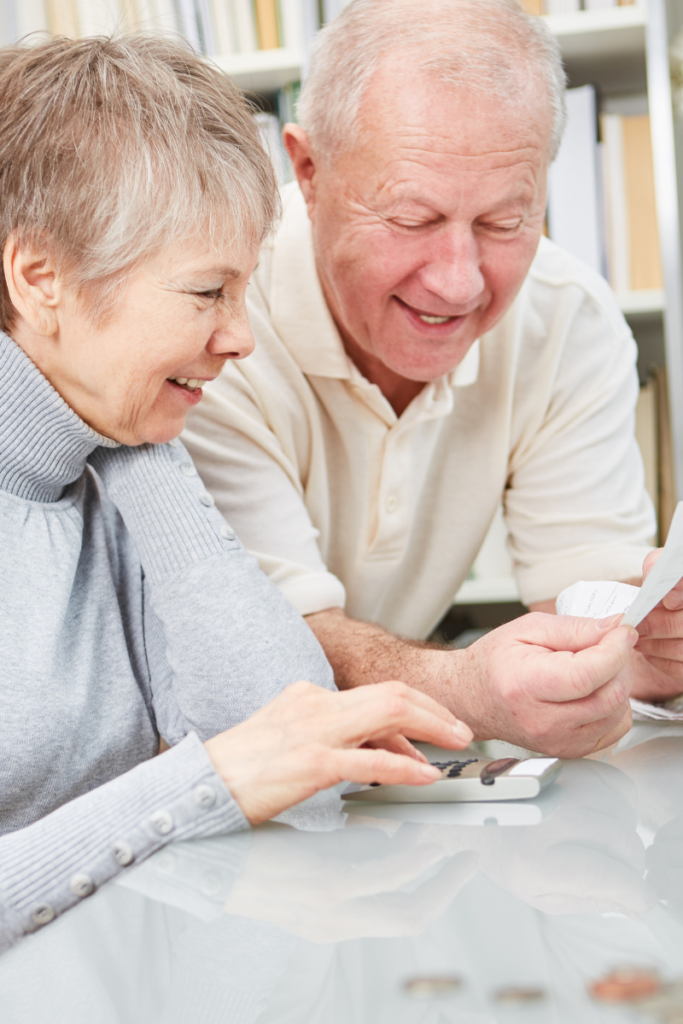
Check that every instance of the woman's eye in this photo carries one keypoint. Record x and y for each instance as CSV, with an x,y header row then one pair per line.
x,y
215,293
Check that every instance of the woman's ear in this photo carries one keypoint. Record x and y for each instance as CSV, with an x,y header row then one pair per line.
x,y
33,284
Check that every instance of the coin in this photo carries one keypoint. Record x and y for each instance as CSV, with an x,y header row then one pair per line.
x,y
626,985
432,986
514,995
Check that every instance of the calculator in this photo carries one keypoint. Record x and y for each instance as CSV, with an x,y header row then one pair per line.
x,y
472,780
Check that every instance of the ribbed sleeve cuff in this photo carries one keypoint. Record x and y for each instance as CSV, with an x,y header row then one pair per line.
x,y
545,581
54,863
166,508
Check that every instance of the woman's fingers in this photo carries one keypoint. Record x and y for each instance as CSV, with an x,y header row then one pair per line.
x,y
364,765
372,713
398,745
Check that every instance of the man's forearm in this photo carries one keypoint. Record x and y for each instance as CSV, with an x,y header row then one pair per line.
x,y
361,653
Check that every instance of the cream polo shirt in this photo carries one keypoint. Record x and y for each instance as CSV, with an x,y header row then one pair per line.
x,y
344,503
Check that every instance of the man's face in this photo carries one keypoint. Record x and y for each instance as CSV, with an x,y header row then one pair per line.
x,y
425,231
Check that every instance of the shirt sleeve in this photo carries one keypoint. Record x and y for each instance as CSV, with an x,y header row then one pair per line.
x,y
222,640
61,859
576,505
268,450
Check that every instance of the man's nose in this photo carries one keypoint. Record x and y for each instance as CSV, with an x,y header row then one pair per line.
x,y
452,270
232,335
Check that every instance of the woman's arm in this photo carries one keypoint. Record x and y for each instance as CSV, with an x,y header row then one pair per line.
x,y
53,864
221,639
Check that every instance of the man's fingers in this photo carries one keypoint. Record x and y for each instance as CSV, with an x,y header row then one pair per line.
x,y
569,676
662,624
563,632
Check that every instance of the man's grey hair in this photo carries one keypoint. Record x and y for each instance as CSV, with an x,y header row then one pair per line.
x,y
489,46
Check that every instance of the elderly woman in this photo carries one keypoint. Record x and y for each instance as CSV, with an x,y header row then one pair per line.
x,y
134,197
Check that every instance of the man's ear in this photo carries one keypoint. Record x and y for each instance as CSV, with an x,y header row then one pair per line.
x,y
33,285
298,146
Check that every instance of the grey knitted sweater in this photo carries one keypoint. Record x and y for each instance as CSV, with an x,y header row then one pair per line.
x,y
128,609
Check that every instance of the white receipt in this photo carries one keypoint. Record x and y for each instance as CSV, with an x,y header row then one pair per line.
x,y
599,599
596,599
663,576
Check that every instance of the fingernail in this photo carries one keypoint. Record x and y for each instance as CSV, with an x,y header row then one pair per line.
x,y
462,732
633,636
609,622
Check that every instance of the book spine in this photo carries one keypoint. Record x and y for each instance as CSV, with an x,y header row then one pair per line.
x,y
31,17
165,17
616,211
292,22
562,6
207,35
266,24
244,23
598,5
646,266
97,17
187,22
223,27
62,17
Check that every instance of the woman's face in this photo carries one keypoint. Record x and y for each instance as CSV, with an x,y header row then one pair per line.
x,y
180,316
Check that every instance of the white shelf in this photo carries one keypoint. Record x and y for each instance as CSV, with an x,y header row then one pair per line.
x,y
602,33
651,301
262,70
492,591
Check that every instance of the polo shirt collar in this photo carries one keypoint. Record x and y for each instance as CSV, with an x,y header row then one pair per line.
x,y
300,314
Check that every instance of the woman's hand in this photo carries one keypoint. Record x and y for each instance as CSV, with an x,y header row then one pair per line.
x,y
309,739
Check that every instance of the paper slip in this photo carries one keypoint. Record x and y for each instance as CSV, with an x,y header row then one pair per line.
x,y
596,599
600,599
664,575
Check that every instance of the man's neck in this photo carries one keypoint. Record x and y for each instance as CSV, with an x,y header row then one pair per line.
x,y
398,391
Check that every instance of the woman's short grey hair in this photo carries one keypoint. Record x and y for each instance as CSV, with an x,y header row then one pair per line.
x,y
113,148
491,46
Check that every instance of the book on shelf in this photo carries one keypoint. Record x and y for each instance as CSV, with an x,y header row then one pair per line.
x,y
574,200
569,6
601,194
632,238
212,27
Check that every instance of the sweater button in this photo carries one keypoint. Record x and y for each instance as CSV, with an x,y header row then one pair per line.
x,y
187,469
226,533
162,822
204,796
81,885
123,853
43,914
206,499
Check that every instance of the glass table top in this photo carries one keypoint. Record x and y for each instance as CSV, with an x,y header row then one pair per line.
x,y
393,914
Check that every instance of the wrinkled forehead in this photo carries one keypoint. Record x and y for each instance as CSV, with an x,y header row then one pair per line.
x,y
457,106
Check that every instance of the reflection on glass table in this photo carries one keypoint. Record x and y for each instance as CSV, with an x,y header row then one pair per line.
x,y
414,914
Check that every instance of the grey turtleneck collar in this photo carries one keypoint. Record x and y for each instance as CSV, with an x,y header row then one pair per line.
x,y
43,443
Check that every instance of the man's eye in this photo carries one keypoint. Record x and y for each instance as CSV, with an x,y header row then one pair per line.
x,y
504,228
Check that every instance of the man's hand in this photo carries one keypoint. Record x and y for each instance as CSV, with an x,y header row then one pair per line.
x,y
658,656
553,684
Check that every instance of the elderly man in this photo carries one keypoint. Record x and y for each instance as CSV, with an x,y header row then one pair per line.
x,y
420,356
